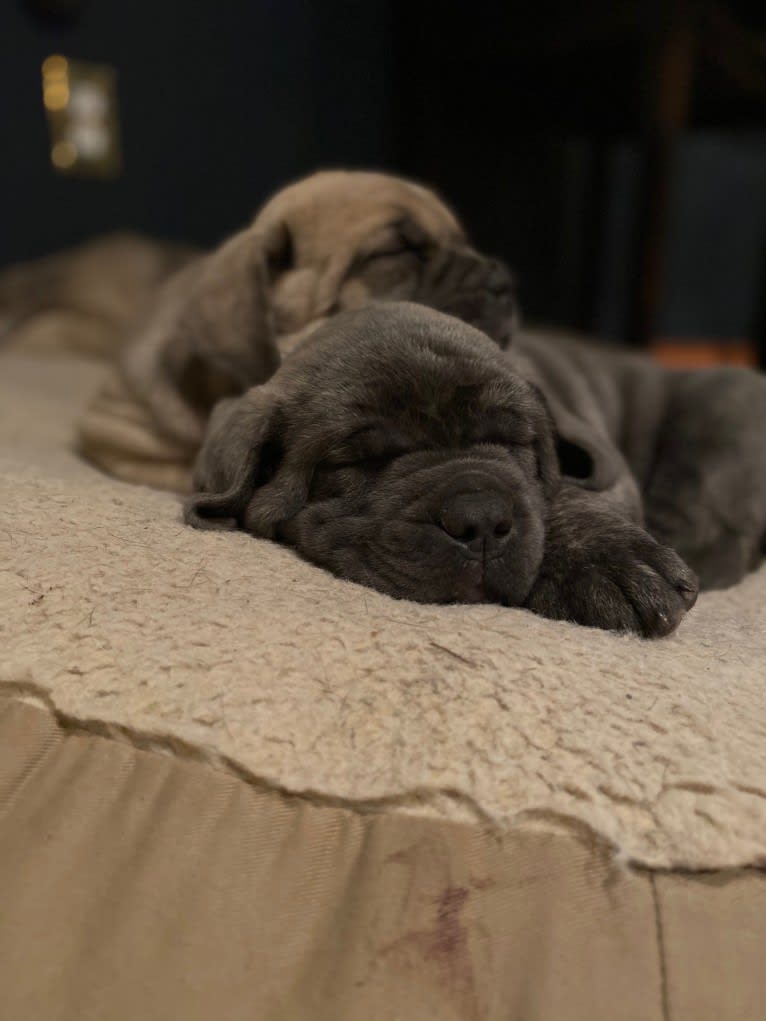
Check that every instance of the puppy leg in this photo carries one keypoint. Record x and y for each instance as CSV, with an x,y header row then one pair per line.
x,y
119,436
706,496
601,569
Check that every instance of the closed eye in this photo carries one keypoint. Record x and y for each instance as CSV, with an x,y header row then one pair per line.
x,y
401,238
365,462
496,440
505,428
368,447
509,442
392,251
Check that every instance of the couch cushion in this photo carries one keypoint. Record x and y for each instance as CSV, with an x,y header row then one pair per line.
x,y
234,651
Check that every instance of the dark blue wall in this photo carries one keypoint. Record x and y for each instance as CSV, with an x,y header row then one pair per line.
x,y
222,101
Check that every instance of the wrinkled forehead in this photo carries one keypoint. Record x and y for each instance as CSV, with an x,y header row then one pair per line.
x,y
425,384
343,208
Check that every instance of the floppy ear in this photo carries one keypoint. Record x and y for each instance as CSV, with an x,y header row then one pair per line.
x,y
548,468
242,476
574,460
226,321
547,462
211,334
578,453
226,469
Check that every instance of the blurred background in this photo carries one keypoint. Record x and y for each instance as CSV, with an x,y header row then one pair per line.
x,y
613,152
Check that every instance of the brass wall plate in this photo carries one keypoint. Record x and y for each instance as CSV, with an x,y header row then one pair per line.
x,y
80,102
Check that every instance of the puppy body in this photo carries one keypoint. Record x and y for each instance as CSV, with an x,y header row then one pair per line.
x,y
88,299
646,454
682,452
334,241
402,449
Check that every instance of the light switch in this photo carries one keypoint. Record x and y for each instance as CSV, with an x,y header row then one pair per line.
x,y
80,102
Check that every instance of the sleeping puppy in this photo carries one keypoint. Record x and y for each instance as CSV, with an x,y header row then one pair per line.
x,y
86,299
402,449
331,242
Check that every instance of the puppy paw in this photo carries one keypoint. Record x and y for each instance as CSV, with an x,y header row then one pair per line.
x,y
623,581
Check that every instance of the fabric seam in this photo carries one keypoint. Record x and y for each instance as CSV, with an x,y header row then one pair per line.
x,y
661,953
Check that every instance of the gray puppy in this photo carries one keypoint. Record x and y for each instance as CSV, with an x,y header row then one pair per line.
x,y
401,448
330,243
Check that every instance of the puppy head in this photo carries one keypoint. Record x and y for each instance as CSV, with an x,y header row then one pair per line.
x,y
396,448
332,242
339,239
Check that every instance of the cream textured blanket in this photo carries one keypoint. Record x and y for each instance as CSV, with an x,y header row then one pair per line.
x,y
222,646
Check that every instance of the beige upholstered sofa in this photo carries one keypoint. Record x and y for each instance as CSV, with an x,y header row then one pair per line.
x,y
234,787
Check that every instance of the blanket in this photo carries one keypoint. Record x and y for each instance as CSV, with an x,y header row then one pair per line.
x,y
233,650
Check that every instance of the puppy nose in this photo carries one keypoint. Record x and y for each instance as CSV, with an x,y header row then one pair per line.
x,y
499,278
481,521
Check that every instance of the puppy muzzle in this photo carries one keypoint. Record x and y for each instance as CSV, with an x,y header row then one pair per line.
x,y
479,523
479,290
485,537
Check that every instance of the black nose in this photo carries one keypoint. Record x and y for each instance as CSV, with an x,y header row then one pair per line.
x,y
481,521
499,278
